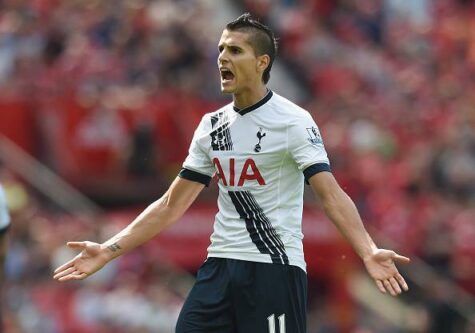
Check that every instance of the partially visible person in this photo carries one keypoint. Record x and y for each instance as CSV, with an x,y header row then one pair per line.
x,y
4,224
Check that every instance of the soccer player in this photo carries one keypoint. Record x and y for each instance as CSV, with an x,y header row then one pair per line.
x,y
263,148
4,225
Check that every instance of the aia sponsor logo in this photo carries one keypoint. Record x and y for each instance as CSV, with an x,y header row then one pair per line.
x,y
238,177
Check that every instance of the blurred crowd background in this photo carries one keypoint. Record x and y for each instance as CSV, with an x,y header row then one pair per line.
x,y
107,95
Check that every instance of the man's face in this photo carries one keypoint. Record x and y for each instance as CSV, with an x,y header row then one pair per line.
x,y
237,63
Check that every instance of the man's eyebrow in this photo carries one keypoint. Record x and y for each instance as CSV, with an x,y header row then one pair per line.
x,y
229,45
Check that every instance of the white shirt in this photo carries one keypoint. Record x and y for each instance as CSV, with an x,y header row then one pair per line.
x,y
4,217
260,155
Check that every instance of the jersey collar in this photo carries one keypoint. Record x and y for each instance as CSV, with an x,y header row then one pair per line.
x,y
263,101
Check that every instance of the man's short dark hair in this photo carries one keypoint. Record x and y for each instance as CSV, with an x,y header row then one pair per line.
x,y
261,38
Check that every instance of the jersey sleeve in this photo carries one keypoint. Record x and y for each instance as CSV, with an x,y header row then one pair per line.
x,y
306,146
198,165
4,216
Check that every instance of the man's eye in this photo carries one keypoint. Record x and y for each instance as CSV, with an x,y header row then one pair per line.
x,y
235,50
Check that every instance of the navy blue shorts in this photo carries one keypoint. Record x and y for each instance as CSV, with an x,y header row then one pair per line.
x,y
236,296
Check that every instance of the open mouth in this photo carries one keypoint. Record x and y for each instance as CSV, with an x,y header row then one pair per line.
x,y
226,75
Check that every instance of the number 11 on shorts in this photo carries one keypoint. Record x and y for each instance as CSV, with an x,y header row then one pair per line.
x,y
271,322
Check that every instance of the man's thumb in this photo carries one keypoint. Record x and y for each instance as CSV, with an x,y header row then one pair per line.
x,y
401,259
76,245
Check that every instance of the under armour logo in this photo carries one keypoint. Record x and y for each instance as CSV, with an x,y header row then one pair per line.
x,y
260,135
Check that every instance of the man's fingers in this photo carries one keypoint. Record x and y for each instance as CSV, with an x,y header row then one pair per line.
x,y
402,282
401,259
64,266
67,271
380,286
67,276
395,285
73,245
73,276
389,287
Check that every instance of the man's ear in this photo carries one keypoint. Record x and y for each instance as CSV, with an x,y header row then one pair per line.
x,y
263,62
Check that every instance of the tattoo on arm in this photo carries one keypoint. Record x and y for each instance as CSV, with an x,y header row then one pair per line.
x,y
114,247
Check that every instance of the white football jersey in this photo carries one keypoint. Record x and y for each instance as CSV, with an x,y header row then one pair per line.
x,y
4,217
261,154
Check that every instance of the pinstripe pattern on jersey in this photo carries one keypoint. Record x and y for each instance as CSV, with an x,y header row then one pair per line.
x,y
221,136
262,234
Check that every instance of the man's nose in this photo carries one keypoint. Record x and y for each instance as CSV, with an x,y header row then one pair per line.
x,y
222,58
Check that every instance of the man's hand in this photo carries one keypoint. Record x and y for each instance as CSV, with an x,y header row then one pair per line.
x,y
381,267
92,258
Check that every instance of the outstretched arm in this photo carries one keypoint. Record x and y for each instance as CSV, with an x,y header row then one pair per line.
x,y
160,214
343,213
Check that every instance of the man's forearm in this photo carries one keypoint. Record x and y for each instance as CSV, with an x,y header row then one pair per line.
x,y
160,214
343,213
149,223
163,212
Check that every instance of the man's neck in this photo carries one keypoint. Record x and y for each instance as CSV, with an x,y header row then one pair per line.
x,y
249,97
